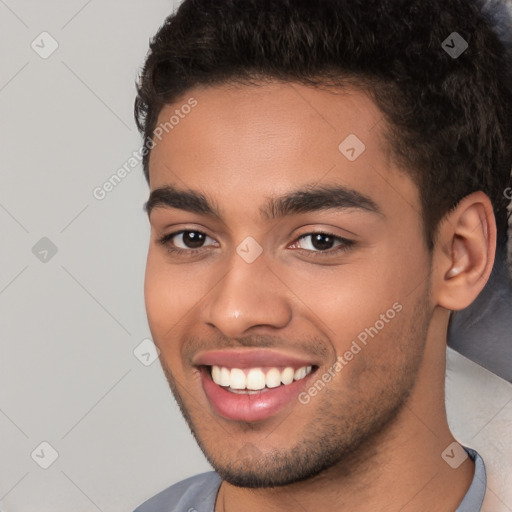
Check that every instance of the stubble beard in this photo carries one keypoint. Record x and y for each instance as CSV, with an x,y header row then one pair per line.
x,y
343,434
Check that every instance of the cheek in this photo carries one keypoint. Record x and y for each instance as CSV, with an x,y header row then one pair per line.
x,y
370,300
345,299
170,293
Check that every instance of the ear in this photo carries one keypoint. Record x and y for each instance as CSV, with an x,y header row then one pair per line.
x,y
464,252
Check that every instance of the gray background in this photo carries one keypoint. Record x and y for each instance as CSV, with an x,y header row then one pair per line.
x,y
68,327
69,324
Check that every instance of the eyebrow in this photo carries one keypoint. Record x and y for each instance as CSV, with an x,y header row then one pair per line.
x,y
309,199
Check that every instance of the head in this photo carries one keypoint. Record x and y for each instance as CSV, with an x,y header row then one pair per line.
x,y
327,184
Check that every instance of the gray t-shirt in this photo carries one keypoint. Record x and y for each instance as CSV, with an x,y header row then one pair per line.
x,y
198,493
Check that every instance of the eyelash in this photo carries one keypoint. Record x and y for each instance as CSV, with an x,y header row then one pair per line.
x,y
345,245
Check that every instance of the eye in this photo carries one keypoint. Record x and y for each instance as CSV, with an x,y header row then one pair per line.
x,y
322,242
192,242
185,241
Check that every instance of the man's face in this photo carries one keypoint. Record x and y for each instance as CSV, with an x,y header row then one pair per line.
x,y
261,295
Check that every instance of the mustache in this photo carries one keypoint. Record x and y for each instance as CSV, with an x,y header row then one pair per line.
x,y
313,346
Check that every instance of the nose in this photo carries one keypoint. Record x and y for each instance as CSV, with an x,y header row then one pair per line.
x,y
249,295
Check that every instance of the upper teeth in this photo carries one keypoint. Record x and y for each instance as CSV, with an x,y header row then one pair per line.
x,y
256,378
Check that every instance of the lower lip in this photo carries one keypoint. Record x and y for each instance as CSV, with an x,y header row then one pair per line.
x,y
250,407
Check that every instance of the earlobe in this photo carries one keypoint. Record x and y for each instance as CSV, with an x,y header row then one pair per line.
x,y
468,236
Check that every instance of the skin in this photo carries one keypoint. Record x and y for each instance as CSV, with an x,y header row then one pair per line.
x,y
379,427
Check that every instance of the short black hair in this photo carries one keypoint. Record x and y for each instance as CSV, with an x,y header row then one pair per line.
x,y
448,118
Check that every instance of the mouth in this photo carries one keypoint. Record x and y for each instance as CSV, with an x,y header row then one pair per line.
x,y
252,380
245,386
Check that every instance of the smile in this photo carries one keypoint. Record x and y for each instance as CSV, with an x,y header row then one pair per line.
x,y
252,385
252,380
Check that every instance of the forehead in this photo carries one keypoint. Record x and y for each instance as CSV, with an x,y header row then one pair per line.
x,y
241,141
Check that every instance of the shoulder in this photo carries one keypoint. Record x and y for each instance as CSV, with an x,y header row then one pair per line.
x,y
195,494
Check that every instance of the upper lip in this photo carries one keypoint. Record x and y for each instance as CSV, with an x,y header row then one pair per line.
x,y
251,358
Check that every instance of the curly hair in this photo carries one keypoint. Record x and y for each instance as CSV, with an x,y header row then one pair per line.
x,y
448,119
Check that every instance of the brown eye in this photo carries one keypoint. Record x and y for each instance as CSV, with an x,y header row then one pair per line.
x,y
321,242
185,240
193,239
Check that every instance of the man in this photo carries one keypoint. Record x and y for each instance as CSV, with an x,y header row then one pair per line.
x,y
327,185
